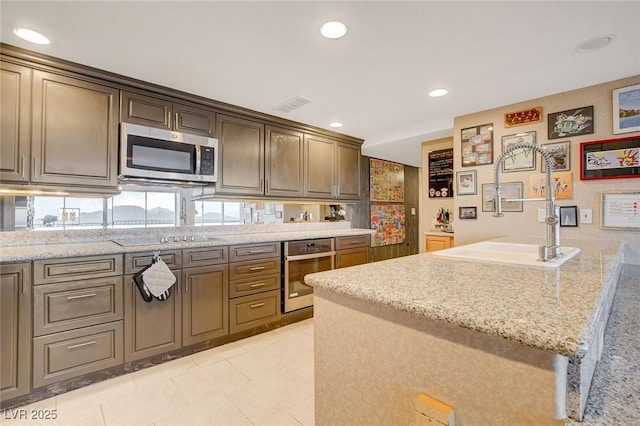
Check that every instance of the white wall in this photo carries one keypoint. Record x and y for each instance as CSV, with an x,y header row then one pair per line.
x,y
586,194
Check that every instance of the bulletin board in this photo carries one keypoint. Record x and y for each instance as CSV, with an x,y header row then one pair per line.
x,y
386,181
620,210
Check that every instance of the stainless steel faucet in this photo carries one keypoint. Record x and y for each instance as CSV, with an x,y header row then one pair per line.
x,y
551,250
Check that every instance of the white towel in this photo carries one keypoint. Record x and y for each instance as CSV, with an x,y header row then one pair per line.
x,y
158,278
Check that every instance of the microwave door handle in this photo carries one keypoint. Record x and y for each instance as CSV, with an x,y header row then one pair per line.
x,y
198,158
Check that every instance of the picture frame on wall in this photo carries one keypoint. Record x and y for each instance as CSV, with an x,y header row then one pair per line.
x,y
610,159
521,118
508,190
477,145
467,213
572,122
466,182
522,158
626,109
569,216
561,154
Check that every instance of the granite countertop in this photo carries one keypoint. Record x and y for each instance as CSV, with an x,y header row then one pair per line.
x,y
438,233
548,308
78,247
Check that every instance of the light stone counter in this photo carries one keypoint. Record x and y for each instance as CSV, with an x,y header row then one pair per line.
x,y
27,246
438,233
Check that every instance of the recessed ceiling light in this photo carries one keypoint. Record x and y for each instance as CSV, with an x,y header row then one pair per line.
x,y
333,30
335,124
596,43
438,92
31,36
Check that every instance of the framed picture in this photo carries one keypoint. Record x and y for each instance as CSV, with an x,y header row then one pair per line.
x,y
562,183
477,145
619,210
610,159
508,190
520,118
520,159
626,109
569,216
561,154
572,122
466,183
468,213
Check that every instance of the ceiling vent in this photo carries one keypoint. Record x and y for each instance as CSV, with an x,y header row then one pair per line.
x,y
293,103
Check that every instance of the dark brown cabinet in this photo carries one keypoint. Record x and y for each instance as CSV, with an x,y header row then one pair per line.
x,y
284,162
332,169
74,133
15,330
154,112
241,159
351,251
15,118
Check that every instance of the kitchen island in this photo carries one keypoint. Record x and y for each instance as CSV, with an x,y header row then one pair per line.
x,y
501,344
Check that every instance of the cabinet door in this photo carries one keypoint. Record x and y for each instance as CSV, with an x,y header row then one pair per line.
x,y
145,110
348,169
438,243
15,330
194,120
284,173
74,131
351,257
151,328
319,167
241,159
205,298
15,117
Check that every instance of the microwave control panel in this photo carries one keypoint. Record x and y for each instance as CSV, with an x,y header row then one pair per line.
x,y
206,161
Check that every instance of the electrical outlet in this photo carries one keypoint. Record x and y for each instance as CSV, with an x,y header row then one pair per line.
x,y
586,216
542,215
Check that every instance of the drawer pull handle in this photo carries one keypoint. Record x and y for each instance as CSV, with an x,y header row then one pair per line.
x,y
256,285
257,305
256,251
256,268
82,344
81,296
86,268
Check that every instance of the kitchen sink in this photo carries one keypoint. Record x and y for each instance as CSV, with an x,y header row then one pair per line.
x,y
513,253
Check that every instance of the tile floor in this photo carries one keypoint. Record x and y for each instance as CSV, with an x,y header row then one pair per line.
x,y
262,380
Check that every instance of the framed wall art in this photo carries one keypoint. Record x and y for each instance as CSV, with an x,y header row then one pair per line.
x,y
468,213
561,154
520,159
441,173
386,181
626,109
466,183
477,145
520,118
569,216
508,190
561,181
620,210
572,122
610,159
388,220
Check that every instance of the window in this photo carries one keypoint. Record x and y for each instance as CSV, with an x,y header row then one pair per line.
x,y
62,213
133,209
217,213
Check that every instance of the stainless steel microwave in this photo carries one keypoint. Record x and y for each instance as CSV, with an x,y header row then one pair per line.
x,y
159,154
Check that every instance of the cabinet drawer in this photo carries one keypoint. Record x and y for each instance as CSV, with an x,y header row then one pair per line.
x,y
353,242
60,270
73,353
134,262
65,306
254,251
204,256
254,285
252,311
254,268
352,257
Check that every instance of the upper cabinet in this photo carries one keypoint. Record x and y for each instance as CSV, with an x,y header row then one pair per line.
x,y
15,118
284,162
332,169
154,112
241,156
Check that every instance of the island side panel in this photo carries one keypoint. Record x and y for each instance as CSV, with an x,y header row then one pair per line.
x,y
371,362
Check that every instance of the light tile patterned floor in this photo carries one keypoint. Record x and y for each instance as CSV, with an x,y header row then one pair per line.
x,y
262,380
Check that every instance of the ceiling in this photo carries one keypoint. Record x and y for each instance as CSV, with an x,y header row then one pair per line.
x,y
375,79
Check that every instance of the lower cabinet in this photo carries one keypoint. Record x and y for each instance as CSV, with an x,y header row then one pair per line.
x,y
351,251
15,330
252,311
435,243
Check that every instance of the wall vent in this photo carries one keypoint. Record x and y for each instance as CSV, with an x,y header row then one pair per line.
x,y
293,103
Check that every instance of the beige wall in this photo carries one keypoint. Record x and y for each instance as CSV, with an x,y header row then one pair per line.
x,y
586,194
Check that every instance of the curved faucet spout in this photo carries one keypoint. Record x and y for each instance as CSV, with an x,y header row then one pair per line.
x,y
552,250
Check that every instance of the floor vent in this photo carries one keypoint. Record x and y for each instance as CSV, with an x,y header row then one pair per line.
x,y
293,103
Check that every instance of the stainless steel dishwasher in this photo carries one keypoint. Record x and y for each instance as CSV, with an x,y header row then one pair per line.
x,y
301,258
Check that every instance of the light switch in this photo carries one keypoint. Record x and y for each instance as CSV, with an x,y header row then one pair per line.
x,y
413,211
586,216
542,215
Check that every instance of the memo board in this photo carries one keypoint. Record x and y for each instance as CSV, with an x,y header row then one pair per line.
x,y
620,210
